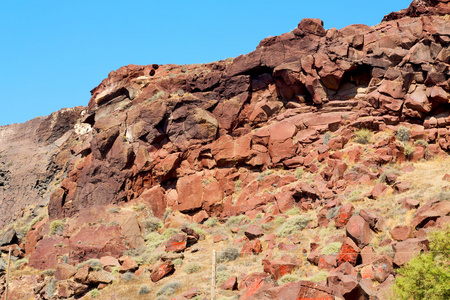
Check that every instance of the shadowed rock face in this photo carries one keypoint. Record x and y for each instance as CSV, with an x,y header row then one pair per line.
x,y
30,157
421,7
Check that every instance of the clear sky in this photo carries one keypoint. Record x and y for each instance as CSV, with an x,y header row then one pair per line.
x,y
52,53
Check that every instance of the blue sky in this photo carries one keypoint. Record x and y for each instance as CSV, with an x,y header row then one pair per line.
x,y
52,53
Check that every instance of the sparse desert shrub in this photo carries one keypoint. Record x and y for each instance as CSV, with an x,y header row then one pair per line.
x,y
427,275
235,221
94,293
293,224
144,289
57,227
279,220
35,220
332,248
222,276
421,143
326,138
319,276
299,173
154,239
51,287
237,185
212,222
221,268
332,212
95,264
408,150
128,276
263,174
48,272
152,224
228,254
177,262
114,210
363,136
167,213
288,278
293,211
192,268
20,262
355,195
169,289
139,207
403,134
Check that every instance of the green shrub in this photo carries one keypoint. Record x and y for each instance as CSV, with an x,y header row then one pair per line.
x,y
212,222
427,276
235,221
279,220
139,207
51,287
332,248
152,224
94,293
177,262
144,289
288,278
292,225
363,136
293,211
57,227
128,276
222,276
228,254
299,173
326,138
332,212
355,195
408,150
403,134
263,174
421,143
95,264
169,289
319,276
48,272
192,268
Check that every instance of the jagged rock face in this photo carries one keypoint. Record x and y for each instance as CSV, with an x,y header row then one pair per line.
x,y
421,7
185,129
30,156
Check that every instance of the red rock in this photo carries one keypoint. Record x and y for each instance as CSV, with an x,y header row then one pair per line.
x,y
68,288
82,274
286,247
177,243
252,247
327,262
162,270
375,222
155,198
220,237
102,276
379,190
109,261
311,26
128,264
382,268
253,232
344,214
278,268
294,290
401,233
64,271
349,252
231,284
410,204
367,255
359,231
406,250
430,211
249,280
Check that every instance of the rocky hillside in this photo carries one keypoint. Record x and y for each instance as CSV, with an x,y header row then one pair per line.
x,y
315,165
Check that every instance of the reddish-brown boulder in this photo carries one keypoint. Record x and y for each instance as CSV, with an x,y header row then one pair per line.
x,y
109,261
82,274
431,211
64,271
327,262
278,268
101,276
252,247
359,231
401,233
406,250
344,214
177,243
162,270
253,232
311,26
231,284
349,252
128,264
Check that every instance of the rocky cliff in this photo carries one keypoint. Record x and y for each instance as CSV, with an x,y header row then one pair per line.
x,y
233,138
